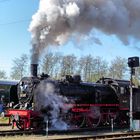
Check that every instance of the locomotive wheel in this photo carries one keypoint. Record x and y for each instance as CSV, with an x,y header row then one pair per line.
x,y
93,122
78,120
111,116
20,125
123,119
93,118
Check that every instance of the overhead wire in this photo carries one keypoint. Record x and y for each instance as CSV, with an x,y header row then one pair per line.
x,y
15,22
1,1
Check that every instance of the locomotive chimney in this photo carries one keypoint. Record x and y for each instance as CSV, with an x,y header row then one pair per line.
x,y
34,70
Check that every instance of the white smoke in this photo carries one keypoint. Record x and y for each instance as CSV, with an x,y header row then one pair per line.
x,y
48,100
58,20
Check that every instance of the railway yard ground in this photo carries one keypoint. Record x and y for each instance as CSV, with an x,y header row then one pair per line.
x,y
81,135
7,133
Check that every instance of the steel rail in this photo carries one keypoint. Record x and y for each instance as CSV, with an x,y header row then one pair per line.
x,y
109,136
15,132
72,135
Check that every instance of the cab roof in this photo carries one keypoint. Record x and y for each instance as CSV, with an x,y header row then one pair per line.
x,y
9,82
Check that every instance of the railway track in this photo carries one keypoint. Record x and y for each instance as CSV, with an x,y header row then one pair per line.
x,y
106,136
83,134
15,132
99,136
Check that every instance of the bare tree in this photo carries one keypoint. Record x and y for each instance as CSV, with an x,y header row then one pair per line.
x,y
136,78
48,63
2,74
90,68
118,68
137,72
100,68
68,65
85,67
51,64
56,71
19,67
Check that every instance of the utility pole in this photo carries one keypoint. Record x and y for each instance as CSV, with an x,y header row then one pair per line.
x,y
132,63
131,99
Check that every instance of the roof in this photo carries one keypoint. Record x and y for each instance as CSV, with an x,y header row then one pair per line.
x,y
117,81
92,84
9,82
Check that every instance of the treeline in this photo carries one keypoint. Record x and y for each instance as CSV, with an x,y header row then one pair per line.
x,y
91,68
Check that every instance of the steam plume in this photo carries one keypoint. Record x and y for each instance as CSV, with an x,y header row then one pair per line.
x,y
49,101
58,20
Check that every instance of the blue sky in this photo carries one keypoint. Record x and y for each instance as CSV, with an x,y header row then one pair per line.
x,y
15,17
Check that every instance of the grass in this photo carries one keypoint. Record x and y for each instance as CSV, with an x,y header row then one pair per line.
x,y
36,137
23,138
4,120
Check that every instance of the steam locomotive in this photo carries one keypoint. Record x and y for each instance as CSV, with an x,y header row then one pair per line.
x,y
71,103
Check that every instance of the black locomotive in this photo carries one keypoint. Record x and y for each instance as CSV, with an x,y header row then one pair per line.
x,y
72,102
